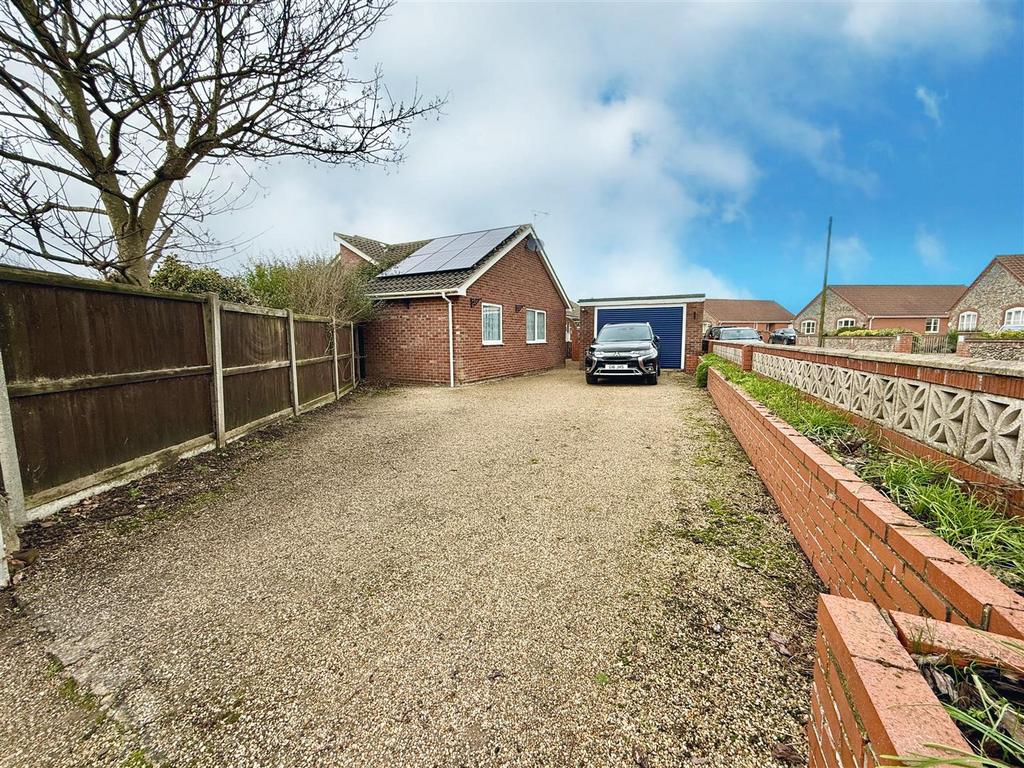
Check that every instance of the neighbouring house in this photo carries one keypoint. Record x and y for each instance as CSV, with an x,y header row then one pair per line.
x,y
677,320
762,316
460,308
994,299
923,309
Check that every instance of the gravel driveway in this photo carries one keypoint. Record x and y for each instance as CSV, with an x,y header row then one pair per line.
x,y
524,572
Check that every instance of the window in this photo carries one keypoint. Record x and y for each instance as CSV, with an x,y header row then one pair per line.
x,y
968,321
845,322
931,325
808,327
491,323
1014,316
536,326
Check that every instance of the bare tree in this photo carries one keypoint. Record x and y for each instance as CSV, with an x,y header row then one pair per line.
x,y
118,118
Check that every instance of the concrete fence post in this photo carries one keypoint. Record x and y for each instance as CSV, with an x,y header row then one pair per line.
x,y
12,504
215,357
293,369
334,350
352,351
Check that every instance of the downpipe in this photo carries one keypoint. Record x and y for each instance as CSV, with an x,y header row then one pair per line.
x,y
451,344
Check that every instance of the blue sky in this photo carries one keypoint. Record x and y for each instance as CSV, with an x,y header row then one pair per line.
x,y
678,148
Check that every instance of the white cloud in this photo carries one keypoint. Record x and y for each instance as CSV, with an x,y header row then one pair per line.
x,y
851,257
632,125
931,250
930,102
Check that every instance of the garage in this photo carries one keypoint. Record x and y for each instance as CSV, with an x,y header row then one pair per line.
x,y
676,320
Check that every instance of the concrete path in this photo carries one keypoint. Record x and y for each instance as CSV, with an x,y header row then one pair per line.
x,y
524,572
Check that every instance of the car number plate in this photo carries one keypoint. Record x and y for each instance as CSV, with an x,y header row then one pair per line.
x,y
617,366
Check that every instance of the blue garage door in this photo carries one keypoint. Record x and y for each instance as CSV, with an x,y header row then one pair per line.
x,y
667,323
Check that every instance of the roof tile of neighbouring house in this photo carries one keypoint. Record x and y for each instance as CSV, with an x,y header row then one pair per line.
x,y
1014,264
383,253
746,310
900,300
448,280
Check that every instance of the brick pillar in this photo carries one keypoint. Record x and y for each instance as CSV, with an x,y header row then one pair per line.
x,y
748,358
904,343
586,336
963,346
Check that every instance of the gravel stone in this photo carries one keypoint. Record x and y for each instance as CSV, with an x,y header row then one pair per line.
x,y
524,572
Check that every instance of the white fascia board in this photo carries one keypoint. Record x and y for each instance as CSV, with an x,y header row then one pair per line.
x,y
638,303
413,294
355,250
462,291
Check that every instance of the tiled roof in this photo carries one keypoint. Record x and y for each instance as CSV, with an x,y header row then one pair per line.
x,y
1014,264
900,300
449,280
743,310
383,253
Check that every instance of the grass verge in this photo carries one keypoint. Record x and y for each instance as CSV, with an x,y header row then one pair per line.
x,y
925,490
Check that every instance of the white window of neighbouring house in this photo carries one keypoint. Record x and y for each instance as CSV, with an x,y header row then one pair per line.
x,y
968,321
931,325
809,327
536,326
845,322
490,322
1014,316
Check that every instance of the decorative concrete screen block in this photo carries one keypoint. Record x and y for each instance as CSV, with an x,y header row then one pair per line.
x,y
730,353
993,436
945,418
969,410
908,414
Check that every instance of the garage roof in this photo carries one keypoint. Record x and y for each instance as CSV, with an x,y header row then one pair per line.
x,y
677,298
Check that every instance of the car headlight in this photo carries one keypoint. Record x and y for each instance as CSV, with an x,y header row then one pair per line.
x,y
645,354
597,353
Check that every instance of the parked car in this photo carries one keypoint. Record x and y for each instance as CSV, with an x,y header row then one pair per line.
x,y
740,335
624,350
782,336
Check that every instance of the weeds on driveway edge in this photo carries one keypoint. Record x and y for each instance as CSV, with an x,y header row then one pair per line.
x,y
925,490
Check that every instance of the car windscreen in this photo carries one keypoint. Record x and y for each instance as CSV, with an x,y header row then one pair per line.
x,y
625,333
739,334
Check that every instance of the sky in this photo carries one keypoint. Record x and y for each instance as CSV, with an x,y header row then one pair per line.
x,y
690,148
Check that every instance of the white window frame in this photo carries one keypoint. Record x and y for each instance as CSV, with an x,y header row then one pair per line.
x,y
1010,311
484,306
538,313
961,325
932,325
807,327
846,322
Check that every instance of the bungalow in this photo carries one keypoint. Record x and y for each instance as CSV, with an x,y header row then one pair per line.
x,y
762,316
460,308
923,309
994,299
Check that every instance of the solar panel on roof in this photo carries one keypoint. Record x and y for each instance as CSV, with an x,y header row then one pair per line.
x,y
451,252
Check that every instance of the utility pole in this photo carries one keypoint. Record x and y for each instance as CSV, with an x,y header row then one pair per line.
x,y
824,287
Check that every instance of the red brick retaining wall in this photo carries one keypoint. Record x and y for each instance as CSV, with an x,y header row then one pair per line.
x,y
869,699
862,545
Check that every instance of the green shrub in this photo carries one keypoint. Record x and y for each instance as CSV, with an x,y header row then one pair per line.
x,y
867,332
315,285
1003,335
175,275
701,374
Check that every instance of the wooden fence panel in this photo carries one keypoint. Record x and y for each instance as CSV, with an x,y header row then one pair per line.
x,y
97,378
106,380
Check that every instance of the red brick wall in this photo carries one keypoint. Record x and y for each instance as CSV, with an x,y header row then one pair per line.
x,y
861,545
691,344
869,698
408,344
519,278
914,324
350,258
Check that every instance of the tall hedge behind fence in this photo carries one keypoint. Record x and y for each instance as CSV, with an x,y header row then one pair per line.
x,y
103,380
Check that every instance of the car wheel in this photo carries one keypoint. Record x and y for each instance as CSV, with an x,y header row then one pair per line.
x,y
591,378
